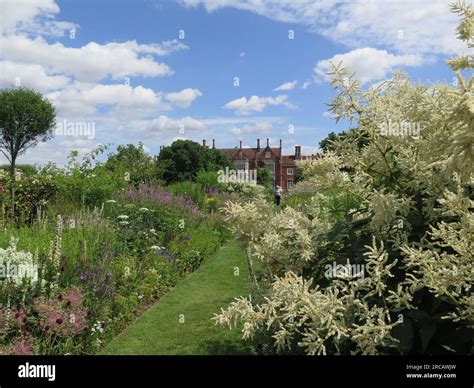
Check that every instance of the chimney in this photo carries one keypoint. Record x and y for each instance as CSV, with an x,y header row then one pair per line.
x,y
258,144
297,152
204,143
268,142
213,143
280,143
241,144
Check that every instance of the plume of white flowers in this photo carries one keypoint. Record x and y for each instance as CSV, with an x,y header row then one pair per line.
x,y
420,176
17,265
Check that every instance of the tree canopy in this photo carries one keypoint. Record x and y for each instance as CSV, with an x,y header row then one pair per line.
x,y
26,118
133,163
185,158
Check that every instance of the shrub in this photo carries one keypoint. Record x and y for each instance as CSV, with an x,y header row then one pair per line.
x,y
380,260
24,199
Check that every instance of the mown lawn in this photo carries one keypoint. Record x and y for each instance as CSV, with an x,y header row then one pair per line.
x,y
180,323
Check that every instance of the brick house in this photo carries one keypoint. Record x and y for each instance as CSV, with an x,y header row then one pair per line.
x,y
282,167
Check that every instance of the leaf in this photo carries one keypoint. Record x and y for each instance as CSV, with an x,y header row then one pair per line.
x,y
404,334
426,333
417,314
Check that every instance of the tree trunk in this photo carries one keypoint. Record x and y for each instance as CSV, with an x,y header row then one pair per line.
x,y
13,178
12,170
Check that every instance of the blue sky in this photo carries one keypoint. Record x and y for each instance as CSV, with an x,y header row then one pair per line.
x,y
129,75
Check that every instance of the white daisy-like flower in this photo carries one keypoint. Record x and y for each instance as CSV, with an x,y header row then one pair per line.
x,y
123,217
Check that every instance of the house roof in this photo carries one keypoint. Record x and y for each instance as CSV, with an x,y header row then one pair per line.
x,y
250,153
289,160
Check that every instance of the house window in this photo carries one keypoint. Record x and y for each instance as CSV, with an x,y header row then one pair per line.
x,y
289,171
267,154
239,164
289,183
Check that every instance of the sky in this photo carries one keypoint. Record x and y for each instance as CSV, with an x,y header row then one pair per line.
x,y
153,71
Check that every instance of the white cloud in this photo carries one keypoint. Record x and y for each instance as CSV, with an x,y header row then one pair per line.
x,y
263,127
84,98
123,101
306,84
121,95
427,25
233,121
164,124
30,76
32,16
256,104
57,150
91,62
415,27
367,63
184,98
69,76
286,86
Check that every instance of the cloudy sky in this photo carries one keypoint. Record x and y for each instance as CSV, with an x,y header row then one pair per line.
x,y
154,70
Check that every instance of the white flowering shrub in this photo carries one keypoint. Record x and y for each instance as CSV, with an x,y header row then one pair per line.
x,y
15,266
408,167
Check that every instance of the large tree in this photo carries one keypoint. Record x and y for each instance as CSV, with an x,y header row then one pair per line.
x,y
185,158
133,163
356,135
26,118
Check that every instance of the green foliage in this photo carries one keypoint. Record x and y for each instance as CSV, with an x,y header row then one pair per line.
x,y
208,180
185,158
190,189
31,193
220,278
374,255
192,248
23,169
86,182
132,164
97,236
26,118
264,177
352,135
119,260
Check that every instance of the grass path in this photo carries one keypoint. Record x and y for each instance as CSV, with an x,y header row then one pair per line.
x,y
195,300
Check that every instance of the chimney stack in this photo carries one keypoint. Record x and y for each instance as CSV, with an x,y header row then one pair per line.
x,y
204,143
241,144
280,143
297,152
258,144
268,142
213,143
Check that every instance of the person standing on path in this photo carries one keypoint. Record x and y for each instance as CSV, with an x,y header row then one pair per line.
x,y
278,192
